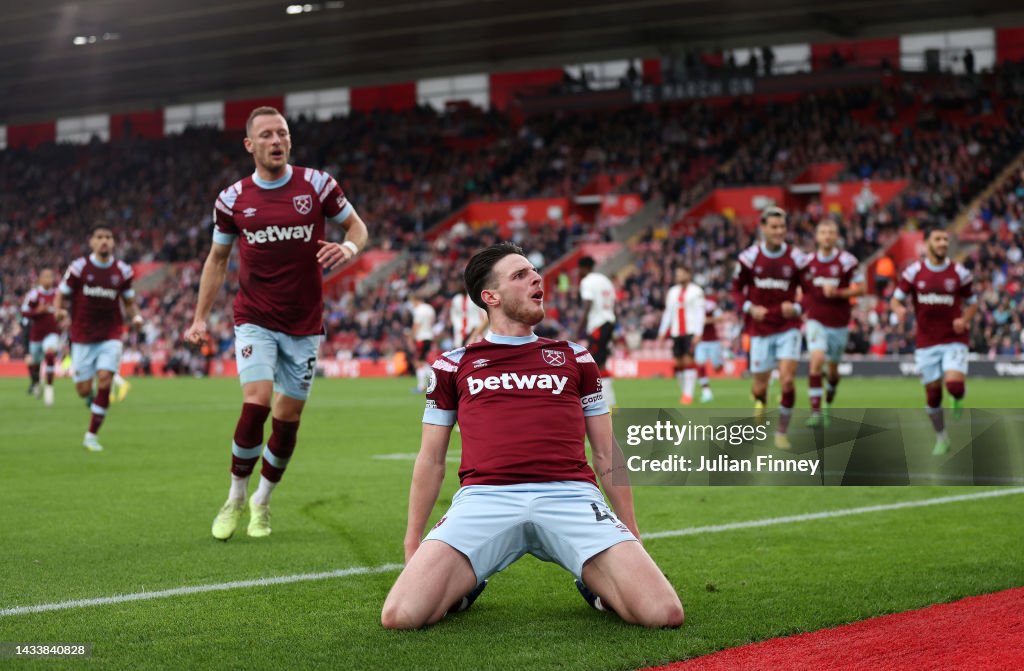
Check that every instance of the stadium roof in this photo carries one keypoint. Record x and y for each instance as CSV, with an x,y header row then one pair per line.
x,y
59,57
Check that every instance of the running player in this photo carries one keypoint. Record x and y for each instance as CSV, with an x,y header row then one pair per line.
x,y
708,353
278,215
830,281
766,284
44,333
941,293
97,285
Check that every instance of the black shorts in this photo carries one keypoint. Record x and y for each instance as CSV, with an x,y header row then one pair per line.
x,y
682,345
600,343
423,349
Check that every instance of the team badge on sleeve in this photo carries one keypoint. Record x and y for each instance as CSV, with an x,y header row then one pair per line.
x,y
303,204
553,357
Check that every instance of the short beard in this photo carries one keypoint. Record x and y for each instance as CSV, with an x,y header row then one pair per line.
x,y
525,313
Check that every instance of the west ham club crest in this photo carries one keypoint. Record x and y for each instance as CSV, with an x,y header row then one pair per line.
x,y
553,357
303,204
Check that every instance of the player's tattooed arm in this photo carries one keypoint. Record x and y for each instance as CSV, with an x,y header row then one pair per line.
x,y
609,463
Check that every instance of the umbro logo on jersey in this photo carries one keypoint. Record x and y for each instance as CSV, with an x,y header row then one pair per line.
x,y
249,212
480,363
303,204
277,233
555,383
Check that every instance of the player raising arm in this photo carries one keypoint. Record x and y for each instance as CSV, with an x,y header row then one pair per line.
x,y
524,404
278,215
944,304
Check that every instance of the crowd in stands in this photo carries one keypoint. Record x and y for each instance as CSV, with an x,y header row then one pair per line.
x,y
407,170
998,263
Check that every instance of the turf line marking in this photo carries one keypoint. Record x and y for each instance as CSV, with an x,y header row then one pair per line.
x,y
199,589
827,514
385,568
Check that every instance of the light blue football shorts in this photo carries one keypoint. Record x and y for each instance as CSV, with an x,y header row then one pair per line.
x,y
933,361
87,358
708,351
289,361
827,339
767,351
37,348
566,523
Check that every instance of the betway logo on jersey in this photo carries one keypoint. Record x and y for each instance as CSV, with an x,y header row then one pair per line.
x,y
99,292
826,282
771,283
277,233
935,299
556,383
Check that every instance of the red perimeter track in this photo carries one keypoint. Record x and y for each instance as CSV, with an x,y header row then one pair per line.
x,y
979,632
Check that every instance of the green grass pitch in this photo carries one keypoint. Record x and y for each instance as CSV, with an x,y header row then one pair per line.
x,y
76,525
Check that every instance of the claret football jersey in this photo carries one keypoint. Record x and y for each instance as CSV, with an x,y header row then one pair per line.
x,y
520,403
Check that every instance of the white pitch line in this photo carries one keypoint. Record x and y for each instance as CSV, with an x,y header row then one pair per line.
x,y
385,568
807,517
199,589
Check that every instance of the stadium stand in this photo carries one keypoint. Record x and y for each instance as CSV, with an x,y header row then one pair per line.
x,y
408,170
